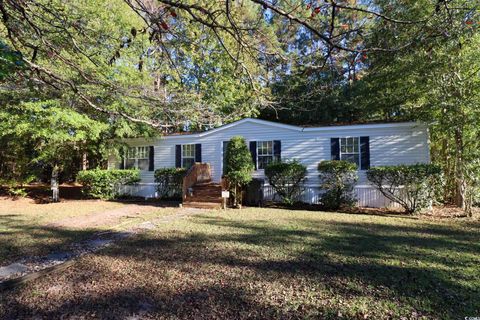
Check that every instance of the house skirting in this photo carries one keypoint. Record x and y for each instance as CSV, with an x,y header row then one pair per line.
x,y
367,196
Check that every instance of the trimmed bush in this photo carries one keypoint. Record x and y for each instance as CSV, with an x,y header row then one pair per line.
x,y
169,182
238,167
287,178
337,180
411,186
104,184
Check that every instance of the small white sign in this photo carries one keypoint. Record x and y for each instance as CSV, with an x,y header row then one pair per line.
x,y
225,194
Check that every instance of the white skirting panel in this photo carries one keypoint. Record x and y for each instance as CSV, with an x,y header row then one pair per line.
x,y
367,196
145,190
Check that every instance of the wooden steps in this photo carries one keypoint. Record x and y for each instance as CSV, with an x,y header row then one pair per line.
x,y
205,195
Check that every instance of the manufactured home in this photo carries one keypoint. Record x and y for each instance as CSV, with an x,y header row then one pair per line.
x,y
366,145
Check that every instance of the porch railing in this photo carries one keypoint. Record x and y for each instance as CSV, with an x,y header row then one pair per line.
x,y
198,173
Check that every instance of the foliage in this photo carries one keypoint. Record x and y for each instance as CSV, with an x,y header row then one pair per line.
x,y
43,134
10,60
108,59
473,185
287,178
104,184
337,178
238,167
436,81
14,187
16,192
411,186
169,182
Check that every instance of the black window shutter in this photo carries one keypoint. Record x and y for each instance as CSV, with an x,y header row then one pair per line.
x,y
198,152
253,151
365,153
178,156
224,146
151,164
335,148
277,150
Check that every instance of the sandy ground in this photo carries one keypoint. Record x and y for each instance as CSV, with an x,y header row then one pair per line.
x,y
107,218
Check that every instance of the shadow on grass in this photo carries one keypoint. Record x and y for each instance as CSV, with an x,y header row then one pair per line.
x,y
21,239
231,268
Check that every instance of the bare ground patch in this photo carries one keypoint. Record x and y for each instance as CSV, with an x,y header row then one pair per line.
x,y
109,217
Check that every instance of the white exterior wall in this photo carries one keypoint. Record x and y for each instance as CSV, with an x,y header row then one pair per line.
x,y
390,144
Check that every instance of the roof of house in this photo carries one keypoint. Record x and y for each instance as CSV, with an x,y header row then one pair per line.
x,y
284,126
296,128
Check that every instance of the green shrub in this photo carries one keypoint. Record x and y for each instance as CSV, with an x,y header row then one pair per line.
x,y
411,186
14,187
238,167
337,180
104,184
169,182
287,178
472,176
17,192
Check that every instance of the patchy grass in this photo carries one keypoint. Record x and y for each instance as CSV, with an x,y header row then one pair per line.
x,y
31,229
271,264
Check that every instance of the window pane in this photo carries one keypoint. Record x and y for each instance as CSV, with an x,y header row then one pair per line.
x,y
350,145
143,164
129,163
351,158
138,152
263,161
264,148
187,162
355,145
188,150
131,153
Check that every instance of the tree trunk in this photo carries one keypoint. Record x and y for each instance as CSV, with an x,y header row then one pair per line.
x,y
84,161
54,183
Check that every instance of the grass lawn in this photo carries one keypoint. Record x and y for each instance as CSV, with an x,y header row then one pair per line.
x,y
270,264
28,228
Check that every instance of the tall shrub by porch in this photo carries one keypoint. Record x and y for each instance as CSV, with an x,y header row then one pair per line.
x,y
238,167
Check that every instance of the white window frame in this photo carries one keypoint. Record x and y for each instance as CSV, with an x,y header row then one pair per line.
x,y
145,155
187,157
265,155
358,152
